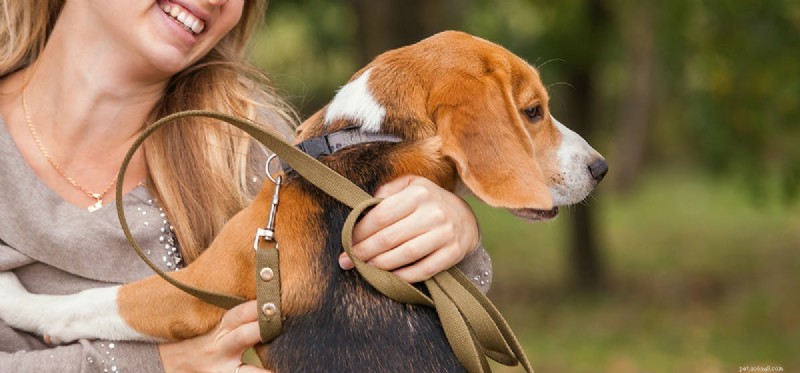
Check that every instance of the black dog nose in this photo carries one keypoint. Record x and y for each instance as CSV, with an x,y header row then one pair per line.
x,y
598,169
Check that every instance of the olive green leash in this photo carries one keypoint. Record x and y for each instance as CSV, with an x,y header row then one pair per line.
x,y
474,328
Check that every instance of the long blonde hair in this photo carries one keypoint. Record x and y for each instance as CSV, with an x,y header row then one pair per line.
x,y
198,171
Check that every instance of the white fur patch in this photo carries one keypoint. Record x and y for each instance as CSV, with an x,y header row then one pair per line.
x,y
574,156
90,314
354,101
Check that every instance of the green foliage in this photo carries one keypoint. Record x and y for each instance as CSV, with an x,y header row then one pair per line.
x,y
307,49
732,81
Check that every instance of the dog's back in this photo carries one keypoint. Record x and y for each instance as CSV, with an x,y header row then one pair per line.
x,y
352,327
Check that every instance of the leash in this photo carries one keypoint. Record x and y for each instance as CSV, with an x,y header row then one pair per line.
x,y
474,328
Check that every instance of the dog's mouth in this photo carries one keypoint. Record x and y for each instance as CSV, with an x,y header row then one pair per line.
x,y
535,214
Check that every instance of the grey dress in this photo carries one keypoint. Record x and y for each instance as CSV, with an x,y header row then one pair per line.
x,y
55,247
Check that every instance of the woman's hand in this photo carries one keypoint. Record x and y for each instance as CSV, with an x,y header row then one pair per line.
x,y
221,349
417,231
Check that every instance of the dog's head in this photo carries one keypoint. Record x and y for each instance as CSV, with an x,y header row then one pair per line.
x,y
489,111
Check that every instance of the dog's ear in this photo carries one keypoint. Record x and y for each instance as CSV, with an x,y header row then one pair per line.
x,y
493,152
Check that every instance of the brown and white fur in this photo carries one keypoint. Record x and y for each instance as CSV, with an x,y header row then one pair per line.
x,y
471,114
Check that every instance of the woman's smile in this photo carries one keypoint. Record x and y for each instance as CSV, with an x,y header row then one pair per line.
x,y
184,17
185,30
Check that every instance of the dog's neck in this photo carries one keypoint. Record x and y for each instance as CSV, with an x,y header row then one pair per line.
x,y
415,150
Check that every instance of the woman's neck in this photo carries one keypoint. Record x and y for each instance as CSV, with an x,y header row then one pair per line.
x,y
87,102
90,98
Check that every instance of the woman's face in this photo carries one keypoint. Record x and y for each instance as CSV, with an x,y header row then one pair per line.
x,y
170,35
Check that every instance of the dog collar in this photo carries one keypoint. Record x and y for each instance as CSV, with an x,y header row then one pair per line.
x,y
333,142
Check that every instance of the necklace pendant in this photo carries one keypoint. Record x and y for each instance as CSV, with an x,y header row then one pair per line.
x,y
97,205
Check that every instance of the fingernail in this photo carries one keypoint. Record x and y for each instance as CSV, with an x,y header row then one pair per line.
x,y
345,262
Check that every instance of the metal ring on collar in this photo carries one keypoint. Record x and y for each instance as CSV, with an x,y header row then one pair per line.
x,y
266,167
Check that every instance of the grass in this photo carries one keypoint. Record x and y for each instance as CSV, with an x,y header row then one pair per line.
x,y
701,278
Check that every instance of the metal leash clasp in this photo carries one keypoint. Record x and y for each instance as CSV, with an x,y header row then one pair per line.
x,y
268,232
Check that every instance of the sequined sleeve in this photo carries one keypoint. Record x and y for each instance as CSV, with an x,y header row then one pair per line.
x,y
31,355
477,265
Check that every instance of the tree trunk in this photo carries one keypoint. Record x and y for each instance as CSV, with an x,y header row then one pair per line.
x,y
637,102
586,262
586,265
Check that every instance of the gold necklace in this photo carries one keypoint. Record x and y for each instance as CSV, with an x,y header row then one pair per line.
x,y
97,197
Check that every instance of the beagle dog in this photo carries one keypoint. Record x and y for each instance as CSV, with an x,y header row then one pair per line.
x,y
468,113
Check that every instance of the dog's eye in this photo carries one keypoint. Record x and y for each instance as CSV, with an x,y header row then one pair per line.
x,y
534,113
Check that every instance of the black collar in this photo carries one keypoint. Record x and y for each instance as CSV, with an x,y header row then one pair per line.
x,y
333,142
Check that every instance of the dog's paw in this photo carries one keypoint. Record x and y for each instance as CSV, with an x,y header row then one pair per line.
x,y
59,333
53,341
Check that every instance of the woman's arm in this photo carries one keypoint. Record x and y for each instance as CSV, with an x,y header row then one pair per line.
x,y
83,356
218,351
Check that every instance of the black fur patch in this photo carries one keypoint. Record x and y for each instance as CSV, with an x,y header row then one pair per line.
x,y
355,328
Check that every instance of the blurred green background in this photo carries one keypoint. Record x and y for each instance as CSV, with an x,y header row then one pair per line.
x,y
686,257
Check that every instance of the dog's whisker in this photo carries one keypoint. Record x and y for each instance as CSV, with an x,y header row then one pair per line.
x,y
560,83
539,67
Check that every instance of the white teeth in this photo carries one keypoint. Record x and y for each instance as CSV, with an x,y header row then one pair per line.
x,y
183,16
197,28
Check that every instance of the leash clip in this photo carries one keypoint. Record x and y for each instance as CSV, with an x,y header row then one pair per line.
x,y
268,232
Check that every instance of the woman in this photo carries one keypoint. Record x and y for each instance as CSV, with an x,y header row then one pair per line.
x,y
78,81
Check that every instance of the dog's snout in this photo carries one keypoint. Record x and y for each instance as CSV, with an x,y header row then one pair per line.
x,y
598,169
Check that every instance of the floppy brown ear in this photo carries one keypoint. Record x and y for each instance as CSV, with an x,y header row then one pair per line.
x,y
492,151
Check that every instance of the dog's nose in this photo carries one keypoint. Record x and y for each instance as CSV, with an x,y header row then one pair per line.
x,y
598,169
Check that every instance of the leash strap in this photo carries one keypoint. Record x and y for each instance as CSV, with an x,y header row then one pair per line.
x,y
268,290
317,173
326,179
473,326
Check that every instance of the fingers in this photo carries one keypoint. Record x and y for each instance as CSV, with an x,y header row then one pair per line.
x,y
418,230
219,350
241,314
241,323
397,185
239,328
393,236
400,217
392,209
429,266
240,339
414,249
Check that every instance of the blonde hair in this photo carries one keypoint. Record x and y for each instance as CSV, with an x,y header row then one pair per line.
x,y
198,172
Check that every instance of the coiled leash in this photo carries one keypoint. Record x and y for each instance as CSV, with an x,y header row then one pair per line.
x,y
474,328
